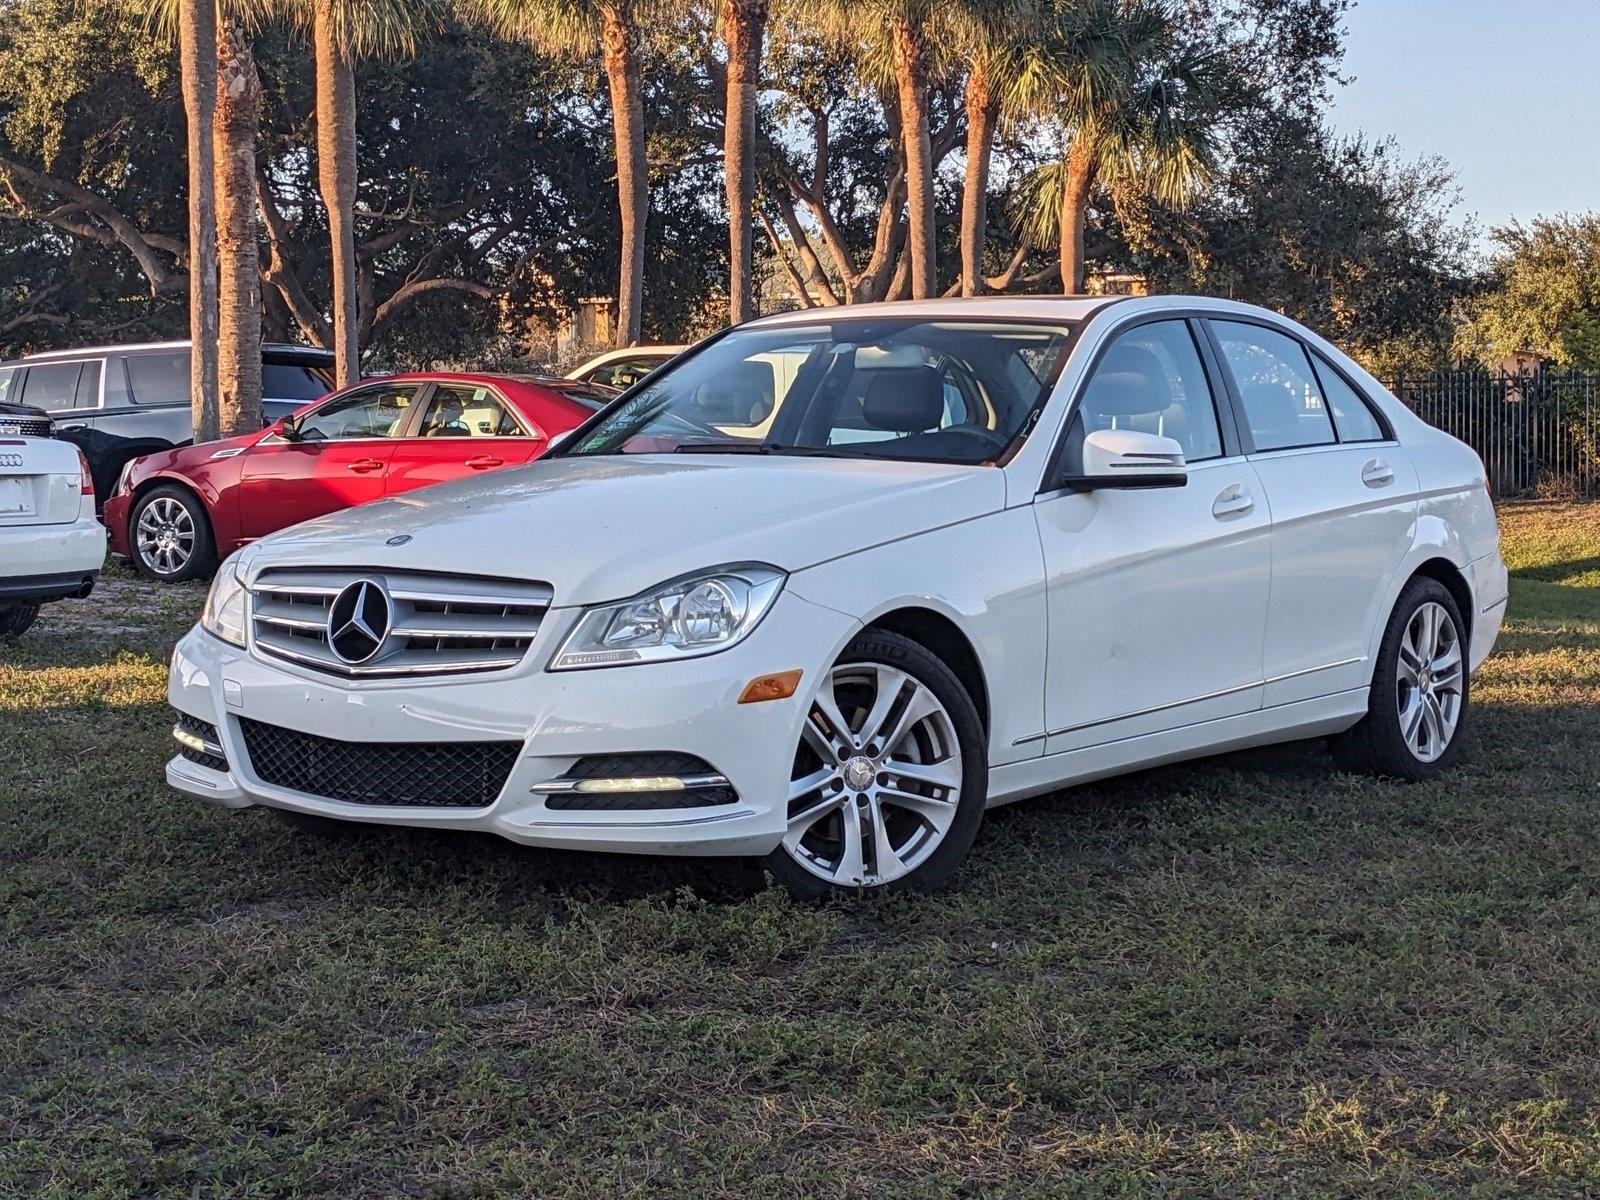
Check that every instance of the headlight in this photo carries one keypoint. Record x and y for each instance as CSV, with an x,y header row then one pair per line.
x,y
689,617
223,615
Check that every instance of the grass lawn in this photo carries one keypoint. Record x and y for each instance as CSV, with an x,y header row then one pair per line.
x,y
1249,976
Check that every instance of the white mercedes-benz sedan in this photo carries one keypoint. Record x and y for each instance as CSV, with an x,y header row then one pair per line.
x,y
834,582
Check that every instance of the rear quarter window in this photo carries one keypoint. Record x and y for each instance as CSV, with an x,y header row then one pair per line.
x,y
159,378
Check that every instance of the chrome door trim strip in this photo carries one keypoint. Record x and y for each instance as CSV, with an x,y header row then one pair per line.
x,y
1145,712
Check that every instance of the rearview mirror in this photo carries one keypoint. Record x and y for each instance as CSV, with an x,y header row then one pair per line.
x,y
1126,458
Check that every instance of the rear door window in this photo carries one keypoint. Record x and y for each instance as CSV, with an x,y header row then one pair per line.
x,y
89,386
159,378
10,384
1282,399
458,411
1352,414
52,386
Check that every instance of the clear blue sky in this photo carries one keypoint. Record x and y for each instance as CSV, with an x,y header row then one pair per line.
x,y
1506,91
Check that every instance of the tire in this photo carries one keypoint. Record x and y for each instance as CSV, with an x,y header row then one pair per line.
x,y
17,620
927,823
169,536
1418,706
311,825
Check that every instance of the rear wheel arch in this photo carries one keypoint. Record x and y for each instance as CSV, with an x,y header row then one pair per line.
x,y
1447,573
944,639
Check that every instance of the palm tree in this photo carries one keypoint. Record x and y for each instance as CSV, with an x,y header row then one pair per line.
x,y
342,31
237,123
616,27
743,29
904,43
1134,102
1007,74
197,53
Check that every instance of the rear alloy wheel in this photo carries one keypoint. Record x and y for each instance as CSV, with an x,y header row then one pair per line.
x,y
889,781
170,536
1420,689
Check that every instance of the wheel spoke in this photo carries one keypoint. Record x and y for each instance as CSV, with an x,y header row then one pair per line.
x,y
937,813
839,732
852,865
1433,722
922,705
945,774
886,862
890,683
1411,721
801,822
800,788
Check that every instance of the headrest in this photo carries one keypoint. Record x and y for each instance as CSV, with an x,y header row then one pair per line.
x,y
737,394
1128,383
904,399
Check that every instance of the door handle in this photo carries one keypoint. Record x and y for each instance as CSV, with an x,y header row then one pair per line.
x,y
483,462
1377,473
71,428
1232,501
366,465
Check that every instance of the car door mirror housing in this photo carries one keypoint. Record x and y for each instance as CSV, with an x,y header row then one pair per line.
x,y
1126,458
560,439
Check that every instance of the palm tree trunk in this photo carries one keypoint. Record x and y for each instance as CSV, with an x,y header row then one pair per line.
x,y
336,180
619,52
1074,211
197,52
236,124
911,84
983,112
743,23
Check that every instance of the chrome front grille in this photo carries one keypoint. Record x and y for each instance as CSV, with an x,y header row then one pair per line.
x,y
436,624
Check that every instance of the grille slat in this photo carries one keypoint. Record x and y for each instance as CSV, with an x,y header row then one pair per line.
x,y
442,624
407,774
25,426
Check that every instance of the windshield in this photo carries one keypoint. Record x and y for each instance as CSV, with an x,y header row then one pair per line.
x,y
958,391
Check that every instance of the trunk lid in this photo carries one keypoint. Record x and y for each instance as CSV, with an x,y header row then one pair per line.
x,y
40,482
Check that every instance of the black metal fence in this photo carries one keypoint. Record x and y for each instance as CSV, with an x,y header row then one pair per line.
x,y
1537,432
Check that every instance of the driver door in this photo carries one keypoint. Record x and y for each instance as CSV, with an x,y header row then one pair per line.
x,y
338,457
1156,598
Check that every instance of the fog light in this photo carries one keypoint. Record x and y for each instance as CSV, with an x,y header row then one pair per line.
x,y
639,783
770,687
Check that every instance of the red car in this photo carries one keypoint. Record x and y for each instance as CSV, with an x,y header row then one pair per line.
x,y
177,513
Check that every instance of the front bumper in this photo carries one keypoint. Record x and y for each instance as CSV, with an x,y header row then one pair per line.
x,y
50,562
685,707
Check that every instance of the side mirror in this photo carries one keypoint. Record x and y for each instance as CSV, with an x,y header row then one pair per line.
x,y
1126,458
559,439
287,430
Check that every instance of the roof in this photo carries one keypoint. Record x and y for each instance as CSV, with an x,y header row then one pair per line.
x,y
178,344
1070,308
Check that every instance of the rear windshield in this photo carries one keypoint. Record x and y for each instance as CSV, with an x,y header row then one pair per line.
x,y
294,381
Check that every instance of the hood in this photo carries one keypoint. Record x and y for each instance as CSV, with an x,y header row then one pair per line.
x,y
604,528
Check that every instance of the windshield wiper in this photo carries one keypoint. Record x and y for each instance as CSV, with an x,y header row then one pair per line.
x,y
723,448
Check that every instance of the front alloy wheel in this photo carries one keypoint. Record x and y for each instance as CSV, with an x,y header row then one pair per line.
x,y
170,536
887,786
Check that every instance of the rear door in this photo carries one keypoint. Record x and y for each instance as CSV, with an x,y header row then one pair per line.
x,y
1343,498
465,429
335,457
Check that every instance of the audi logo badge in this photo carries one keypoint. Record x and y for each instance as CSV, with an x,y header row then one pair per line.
x,y
359,621
10,460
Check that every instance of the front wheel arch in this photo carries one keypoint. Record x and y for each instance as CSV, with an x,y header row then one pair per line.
x,y
943,638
